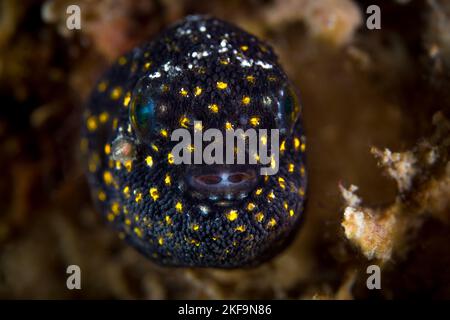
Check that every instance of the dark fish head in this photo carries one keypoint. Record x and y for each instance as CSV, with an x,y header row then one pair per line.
x,y
219,79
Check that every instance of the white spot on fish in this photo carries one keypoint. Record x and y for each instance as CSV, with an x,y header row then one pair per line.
x,y
155,75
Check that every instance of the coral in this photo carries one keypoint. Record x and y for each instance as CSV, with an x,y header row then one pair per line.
x,y
105,24
423,182
334,21
438,34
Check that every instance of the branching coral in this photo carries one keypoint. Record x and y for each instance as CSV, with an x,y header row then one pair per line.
x,y
423,181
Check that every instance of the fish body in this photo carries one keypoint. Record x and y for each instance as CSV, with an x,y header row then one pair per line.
x,y
198,215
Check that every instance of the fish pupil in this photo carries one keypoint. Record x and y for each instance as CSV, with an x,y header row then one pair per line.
x,y
143,116
144,113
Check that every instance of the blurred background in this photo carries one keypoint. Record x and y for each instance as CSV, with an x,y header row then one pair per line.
x,y
360,88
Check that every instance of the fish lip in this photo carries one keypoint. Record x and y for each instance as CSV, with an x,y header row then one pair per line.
x,y
223,185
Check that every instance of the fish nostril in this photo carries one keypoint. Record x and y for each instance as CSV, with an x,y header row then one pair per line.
x,y
238,177
209,179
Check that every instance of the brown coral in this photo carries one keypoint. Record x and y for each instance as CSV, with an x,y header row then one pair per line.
x,y
423,181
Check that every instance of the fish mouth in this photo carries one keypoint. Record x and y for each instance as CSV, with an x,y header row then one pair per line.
x,y
223,185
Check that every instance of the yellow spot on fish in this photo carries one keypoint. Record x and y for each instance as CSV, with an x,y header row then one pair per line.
x,y
302,171
101,196
271,196
102,86
138,232
126,100
128,165
198,126
107,148
164,133
250,206
273,162
184,121
250,78
221,85
263,139
285,205
91,123
214,108
291,167
228,125
116,93
244,48
147,65
179,206
197,91
291,213
195,227
155,147
259,216
168,220
254,121
195,242
183,92
103,117
138,197
245,100
122,60
283,146
272,222
258,191
170,158
94,161
282,182
240,228
303,147
115,208
167,180
110,217
296,143
126,191
301,192
149,161
108,177
127,222
232,215
160,241
154,193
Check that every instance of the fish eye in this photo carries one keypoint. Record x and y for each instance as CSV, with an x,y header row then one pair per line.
x,y
143,111
288,108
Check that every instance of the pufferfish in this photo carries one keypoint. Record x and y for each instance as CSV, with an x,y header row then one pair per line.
x,y
195,215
